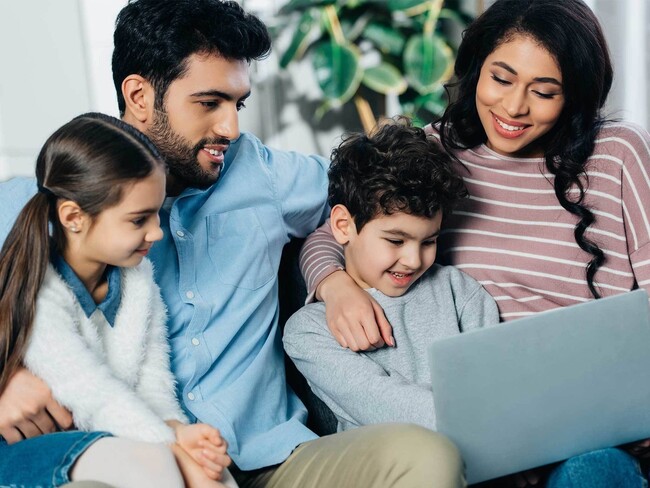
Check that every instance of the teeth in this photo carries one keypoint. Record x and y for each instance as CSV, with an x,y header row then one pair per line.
x,y
509,127
214,152
399,275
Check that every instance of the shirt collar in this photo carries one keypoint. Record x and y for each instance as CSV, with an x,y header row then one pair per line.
x,y
111,302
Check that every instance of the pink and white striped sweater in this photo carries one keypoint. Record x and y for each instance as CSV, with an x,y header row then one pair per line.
x,y
514,238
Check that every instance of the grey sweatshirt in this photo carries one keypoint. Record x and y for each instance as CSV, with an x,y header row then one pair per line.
x,y
389,384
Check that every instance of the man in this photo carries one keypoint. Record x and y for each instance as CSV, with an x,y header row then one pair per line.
x,y
180,69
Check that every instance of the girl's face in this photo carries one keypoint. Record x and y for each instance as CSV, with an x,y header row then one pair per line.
x,y
519,97
122,235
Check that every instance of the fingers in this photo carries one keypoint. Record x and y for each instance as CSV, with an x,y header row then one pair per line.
x,y
44,422
211,437
11,435
385,329
214,464
351,314
532,477
357,329
357,336
340,338
28,429
519,480
640,449
27,408
527,478
61,416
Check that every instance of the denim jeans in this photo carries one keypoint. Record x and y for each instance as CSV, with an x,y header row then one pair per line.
x,y
605,468
45,461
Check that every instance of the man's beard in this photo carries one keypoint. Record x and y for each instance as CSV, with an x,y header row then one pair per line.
x,y
179,154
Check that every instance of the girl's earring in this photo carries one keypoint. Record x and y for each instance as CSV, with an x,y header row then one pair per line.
x,y
73,228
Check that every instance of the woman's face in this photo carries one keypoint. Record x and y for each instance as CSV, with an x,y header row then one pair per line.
x,y
519,97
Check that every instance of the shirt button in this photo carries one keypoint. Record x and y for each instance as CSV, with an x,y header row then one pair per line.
x,y
180,233
191,396
189,294
195,341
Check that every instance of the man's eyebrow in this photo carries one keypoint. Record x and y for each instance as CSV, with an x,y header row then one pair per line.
x,y
542,79
219,94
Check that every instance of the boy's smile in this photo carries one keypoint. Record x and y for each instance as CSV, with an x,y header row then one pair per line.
x,y
392,251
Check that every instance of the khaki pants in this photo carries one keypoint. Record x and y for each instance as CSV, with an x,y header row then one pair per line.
x,y
377,456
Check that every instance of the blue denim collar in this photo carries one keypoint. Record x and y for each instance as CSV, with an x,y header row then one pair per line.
x,y
111,302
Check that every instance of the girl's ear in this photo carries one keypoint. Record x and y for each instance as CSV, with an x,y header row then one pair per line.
x,y
71,216
342,224
139,98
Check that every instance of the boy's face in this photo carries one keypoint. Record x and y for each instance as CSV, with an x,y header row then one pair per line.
x,y
392,251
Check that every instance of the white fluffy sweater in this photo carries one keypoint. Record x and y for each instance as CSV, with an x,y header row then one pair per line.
x,y
114,379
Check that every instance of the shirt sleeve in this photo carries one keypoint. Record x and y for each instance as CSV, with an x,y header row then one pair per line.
x,y
80,380
320,256
357,389
301,188
476,308
633,142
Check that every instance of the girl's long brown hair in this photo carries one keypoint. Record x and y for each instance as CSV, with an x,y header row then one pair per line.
x,y
88,160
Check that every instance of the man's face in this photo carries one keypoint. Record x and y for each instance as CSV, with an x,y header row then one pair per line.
x,y
200,118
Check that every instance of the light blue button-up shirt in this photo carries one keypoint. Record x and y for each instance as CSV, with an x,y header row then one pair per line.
x,y
217,269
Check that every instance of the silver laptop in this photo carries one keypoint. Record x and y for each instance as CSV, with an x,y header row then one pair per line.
x,y
547,387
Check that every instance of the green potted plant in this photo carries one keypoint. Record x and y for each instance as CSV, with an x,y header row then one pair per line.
x,y
361,48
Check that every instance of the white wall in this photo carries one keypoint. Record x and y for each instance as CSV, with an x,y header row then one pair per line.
x,y
44,76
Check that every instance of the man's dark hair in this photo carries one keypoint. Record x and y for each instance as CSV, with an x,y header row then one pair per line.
x,y
155,38
396,168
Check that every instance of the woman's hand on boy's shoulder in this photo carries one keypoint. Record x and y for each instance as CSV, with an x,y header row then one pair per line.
x,y
27,409
354,318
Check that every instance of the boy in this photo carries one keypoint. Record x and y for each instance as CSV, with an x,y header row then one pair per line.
x,y
389,192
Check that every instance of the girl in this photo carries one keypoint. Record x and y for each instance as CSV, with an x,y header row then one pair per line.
x,y
80,309
557,213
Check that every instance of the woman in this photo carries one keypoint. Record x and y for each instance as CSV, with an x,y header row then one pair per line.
x,y
558,197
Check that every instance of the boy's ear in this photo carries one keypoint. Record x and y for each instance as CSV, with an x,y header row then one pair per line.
x,y
342,224
139,98
71,216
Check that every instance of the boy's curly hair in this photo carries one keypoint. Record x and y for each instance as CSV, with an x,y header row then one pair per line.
x,y
396,168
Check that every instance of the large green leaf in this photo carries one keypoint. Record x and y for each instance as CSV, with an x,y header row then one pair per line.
x,y
428,61
387,39
385,79
301,38
337,69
